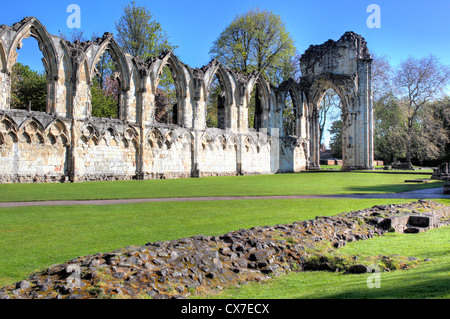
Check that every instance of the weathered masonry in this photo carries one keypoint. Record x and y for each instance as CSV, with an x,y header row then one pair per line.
x,y
67,143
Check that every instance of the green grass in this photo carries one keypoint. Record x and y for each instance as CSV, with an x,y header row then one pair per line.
x,y
379,169
33,238
429,279
256,185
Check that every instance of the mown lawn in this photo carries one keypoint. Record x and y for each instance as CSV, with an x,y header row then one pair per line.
x,y
33,238
308,183
36,237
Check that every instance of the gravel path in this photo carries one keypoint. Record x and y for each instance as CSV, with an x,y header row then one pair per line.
x,y
432,193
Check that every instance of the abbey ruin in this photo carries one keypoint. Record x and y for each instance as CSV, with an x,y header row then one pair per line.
x,y
66,143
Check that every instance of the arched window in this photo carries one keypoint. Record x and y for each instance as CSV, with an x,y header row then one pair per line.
x,y
215,105
105,89
289,115
330,127
29,78
255,109
166,108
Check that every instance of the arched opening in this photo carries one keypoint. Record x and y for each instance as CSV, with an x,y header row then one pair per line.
x,y
166,107
255,109
330,130
289,115
215,104
105,89
29,78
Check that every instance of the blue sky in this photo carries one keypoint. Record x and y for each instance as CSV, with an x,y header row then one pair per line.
x,y
416,28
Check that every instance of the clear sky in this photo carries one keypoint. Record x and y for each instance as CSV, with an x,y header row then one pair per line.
x,y
412,27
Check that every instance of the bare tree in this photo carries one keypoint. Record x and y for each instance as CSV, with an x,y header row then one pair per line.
x,y
418,82
329,111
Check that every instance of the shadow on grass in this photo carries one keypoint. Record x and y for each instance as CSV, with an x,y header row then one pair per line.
x,y
419,285
398,188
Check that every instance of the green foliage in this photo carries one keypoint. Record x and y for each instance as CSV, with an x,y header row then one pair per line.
x,y
256,41
140,35
165,98
105,88
289,117
103,104
336,139
28,87
212,103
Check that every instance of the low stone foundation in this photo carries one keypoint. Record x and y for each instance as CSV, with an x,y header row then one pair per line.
x,y
180,268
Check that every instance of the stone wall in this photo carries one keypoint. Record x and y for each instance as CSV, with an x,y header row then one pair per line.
x,y
67,143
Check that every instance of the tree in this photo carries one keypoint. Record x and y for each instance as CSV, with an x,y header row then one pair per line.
x,y
74,35
140,35
389,129
441,112
329,110
418,82
103,104
336,139
28,88
382,77
289,116
256,41
212,105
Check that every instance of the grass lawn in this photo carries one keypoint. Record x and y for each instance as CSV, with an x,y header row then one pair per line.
x,y
36,237
379,169
33,238
308,183
429,279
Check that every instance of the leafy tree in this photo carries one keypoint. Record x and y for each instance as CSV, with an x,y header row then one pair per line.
x,y
213,103
28,88
289,116
256,41
441,111
140,35
336,139
105,88
104,104
105,85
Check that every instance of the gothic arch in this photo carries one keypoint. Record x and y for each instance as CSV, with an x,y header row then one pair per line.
x,y
224,79
262,111
3,62
109,43
32,27
344,66
176,68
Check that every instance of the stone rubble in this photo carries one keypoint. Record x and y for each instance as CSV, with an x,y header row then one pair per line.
x,y
207,264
